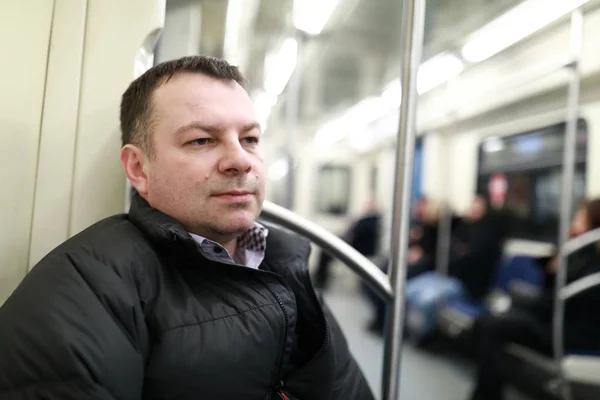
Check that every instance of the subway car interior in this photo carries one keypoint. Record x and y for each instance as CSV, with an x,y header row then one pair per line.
x,y
438,154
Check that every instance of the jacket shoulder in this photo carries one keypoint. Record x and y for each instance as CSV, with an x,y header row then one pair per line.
x,y
285,245
80,304
112,257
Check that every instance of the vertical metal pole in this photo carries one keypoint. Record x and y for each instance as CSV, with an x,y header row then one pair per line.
x,y
413,21
567,189
291,112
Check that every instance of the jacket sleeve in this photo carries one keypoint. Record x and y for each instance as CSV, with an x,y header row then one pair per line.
x,y
65,333
350,383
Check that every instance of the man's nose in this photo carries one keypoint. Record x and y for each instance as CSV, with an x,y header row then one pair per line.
x,y
235,159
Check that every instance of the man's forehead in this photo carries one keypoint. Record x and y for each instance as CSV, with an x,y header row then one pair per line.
x,y
198,85
192,93
200,103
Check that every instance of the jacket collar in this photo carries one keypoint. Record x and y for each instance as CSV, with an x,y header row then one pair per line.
x,y
156,224
283,249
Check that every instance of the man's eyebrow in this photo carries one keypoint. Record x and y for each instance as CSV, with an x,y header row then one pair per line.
x,y
197,125
213,129
252,126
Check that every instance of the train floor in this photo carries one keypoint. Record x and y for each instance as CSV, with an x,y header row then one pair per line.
x,y
425,374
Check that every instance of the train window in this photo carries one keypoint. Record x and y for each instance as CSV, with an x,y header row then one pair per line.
x,y
333,189
521,175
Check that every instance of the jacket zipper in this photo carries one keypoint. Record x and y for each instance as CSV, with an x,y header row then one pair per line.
x,y
280,391
325,341
279,383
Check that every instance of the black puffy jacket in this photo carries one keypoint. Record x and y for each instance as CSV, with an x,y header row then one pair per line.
x,y
130,309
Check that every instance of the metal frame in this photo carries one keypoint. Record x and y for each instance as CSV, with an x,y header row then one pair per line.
x,y
413,21
567,192
372,275
581,241
579,286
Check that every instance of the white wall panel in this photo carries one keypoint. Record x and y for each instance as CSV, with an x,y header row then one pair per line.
x,y
115,32
24,40
57,144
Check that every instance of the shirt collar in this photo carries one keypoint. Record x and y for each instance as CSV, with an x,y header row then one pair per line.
x,y
251,246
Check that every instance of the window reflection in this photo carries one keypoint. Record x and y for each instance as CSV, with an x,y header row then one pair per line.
x,y
333,189
522,177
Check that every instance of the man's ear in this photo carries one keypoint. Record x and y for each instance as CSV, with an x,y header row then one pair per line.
x,y
134,163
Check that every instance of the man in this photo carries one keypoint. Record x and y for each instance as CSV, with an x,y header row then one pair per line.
x,y
185,297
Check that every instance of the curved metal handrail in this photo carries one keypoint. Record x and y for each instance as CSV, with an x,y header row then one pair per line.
x,y
580,285
332,244
581,241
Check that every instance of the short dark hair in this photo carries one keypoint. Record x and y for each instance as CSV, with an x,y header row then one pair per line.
x,y
136,103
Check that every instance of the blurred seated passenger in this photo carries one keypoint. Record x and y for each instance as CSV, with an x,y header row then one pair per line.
x,y
529,323
423,238
476,248
420,258
363,235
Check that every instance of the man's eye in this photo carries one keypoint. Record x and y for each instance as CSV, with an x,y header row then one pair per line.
x,y
200,142
250,140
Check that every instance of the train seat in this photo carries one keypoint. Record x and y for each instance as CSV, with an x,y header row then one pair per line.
x,y
581,371
516,275
526,367
582,368
424,295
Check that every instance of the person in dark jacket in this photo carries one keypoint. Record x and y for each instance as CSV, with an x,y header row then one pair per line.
x,y
187,296
363,235
421,256
476,248
423,238
529,322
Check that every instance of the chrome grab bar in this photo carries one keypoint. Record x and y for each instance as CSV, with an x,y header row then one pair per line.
x,y
579,286
369,272
581,241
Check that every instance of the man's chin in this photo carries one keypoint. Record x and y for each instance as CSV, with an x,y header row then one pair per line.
x,y
238,221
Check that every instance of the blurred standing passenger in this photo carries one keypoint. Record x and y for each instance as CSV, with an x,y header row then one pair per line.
x,y
364,235
423,238
421,256
476,248
529,323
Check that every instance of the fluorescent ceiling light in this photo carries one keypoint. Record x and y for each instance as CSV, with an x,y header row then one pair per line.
x,y
278,170
392,94
365,111
432,73
280,66
515,25
263,103
240,18
438,70
493,144
311,16
362,141
356,117
232,31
